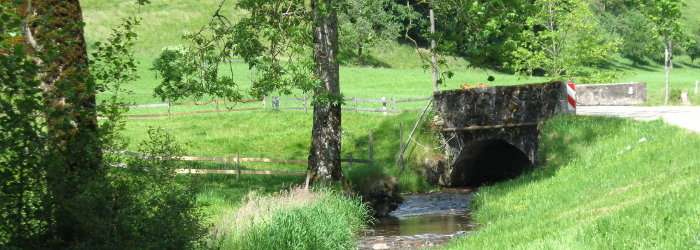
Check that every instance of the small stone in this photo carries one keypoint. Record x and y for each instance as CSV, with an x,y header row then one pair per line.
x,y
439,123
380,239
380,246
417,244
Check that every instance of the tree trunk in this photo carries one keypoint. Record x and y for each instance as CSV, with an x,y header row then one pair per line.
x,y
324,158
73,143
667,60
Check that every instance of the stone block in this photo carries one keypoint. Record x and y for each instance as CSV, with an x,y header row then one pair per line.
x,y
613,94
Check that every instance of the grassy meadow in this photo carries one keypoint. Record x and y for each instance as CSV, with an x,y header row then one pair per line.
x,y
592,193
608,183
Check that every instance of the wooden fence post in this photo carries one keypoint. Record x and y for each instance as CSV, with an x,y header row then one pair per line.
x,y
238,167
371,147
168,108
305,104
393,100
384,104
275,102
217,106
308,176
401,146
356,103
350,156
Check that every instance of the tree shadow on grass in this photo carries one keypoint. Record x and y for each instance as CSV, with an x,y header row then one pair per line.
x,y
366,60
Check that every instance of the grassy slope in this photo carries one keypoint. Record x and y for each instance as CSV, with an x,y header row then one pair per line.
x,y
691,18
163,21
594,193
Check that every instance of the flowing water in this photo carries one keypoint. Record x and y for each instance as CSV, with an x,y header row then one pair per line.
x,y
422,220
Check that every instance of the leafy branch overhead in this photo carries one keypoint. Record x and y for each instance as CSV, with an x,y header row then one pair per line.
x,y
274,38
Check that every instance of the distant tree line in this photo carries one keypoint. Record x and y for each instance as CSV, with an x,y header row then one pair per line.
x,y
488,33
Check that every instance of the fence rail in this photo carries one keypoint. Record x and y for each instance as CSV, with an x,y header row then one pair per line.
x,y
239,159
275,104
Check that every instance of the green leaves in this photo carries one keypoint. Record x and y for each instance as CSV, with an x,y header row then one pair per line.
x,y
365,25
274,38
480,31
563,40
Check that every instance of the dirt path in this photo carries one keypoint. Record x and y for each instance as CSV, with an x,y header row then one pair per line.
x,y
683,116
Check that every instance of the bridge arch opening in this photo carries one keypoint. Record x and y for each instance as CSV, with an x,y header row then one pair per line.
x,y
489,161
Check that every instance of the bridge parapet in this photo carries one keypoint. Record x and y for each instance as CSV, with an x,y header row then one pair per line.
x,y
476,123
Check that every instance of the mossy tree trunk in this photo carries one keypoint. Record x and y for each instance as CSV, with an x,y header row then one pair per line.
x,y
324,159
55,32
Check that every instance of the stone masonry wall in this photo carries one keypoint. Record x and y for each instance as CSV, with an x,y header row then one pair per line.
x,y
498,105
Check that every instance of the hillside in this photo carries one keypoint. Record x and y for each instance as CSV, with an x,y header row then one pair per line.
x,y
163,21
691,15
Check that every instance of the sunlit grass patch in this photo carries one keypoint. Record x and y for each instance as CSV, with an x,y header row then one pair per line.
x,y
295,219
608,183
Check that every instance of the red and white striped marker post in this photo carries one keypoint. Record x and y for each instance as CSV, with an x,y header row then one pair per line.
x,y
571,96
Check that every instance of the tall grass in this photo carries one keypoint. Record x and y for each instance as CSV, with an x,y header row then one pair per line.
x,y
297,219
608,183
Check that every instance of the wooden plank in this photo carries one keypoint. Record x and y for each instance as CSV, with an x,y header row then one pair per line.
x,y
530,124
194,158
128,153
272,160
373,110
370,100
137,116
289,99
288,108
222,171
148,105
210,102
414,99
188,113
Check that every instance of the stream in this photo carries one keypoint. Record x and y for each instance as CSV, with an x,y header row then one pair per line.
x,y
422,220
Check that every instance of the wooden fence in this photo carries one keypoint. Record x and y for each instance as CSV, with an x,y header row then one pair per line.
x,y
274,103
237,160
169,105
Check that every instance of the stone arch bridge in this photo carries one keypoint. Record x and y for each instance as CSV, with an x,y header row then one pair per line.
x,y
492,133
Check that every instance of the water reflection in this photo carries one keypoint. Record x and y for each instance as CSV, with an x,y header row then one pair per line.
x,y
434,223
422,220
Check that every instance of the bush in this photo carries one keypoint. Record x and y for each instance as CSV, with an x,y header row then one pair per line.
x,y
157,209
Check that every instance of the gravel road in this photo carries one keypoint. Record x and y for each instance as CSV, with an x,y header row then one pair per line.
x,y
683,116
